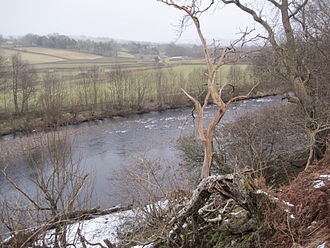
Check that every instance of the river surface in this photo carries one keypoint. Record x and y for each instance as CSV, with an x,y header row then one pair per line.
x,y
108,145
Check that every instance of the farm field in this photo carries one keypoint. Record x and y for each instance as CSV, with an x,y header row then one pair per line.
x,y
70,62
32,58
65,54
125,81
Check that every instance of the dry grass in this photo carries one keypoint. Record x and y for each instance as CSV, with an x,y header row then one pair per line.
x,y
303,216
124,54
32,58
65,54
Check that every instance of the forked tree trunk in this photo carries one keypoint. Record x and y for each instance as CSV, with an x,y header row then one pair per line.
x,y
214,93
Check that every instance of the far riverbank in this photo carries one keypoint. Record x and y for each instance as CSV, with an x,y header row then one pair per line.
x,y
37,121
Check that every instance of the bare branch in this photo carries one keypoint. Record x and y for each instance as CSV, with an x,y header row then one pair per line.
x,y
19,189
298,9
243,97
258,19
200,113
276,4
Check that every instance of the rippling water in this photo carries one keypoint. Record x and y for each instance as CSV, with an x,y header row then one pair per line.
x,y
106,146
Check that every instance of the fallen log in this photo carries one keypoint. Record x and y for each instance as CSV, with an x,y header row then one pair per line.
x,y
213,201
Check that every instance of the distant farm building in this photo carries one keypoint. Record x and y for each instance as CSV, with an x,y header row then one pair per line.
x,y
178,58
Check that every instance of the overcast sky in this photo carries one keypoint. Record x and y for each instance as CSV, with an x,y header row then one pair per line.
x,y
139,20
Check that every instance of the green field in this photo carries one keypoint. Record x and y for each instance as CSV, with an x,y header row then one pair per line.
x,y
144,75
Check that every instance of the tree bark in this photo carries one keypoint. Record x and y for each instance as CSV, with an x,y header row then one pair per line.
x,y
208,156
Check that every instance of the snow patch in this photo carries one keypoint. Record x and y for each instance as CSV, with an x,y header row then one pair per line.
x,y
143,246
322,245
95,230
236,213
319,184
288,204
103,227
259,191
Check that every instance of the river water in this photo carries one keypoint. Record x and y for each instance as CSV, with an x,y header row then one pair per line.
x,y
108,145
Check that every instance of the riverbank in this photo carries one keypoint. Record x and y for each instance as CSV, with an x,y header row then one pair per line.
x,y
38,121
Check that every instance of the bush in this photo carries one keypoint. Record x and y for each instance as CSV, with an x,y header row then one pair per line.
x,y
269,141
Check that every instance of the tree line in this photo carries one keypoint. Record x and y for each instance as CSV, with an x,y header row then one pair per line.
x,y
92,91
108,48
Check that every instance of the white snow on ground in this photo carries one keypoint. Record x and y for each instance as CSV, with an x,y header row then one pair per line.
x,y
322,245
288,204
101,228
321,182
143,246
259,191
95,230
104,227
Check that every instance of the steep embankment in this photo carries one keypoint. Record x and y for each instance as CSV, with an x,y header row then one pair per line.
x,y
239,211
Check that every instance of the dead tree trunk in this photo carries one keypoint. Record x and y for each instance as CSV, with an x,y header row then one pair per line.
x,y
214,93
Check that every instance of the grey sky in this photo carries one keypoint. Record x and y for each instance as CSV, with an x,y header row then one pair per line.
x,y
140,20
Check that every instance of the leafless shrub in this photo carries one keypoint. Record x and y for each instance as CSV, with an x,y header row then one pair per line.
x,y
271,142
51,99
262,140
156,192
58,187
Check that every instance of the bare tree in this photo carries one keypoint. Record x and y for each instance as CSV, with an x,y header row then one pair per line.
x,y
51,99
2,70
94,77
60,185
236,75
296,66
300,35
23,79
3,78
138,89
193,10
117,78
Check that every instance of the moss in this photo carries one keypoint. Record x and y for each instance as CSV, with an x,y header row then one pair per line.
x,y
236,209
225,239
211,237
248,186
216,238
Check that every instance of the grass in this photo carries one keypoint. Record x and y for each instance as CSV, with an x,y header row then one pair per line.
x,y
69,64
47,58
123,54
64,54
186,69
32,58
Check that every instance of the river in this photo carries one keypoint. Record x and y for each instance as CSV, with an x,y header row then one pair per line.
x,y
107,145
